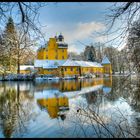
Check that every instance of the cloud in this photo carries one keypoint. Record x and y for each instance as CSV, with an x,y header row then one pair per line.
x,y
75,32
74,48
100,38
83,30
72,32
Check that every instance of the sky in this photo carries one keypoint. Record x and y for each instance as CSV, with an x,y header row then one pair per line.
x,y
81,23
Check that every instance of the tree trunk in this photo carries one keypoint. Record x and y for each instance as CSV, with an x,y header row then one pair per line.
x,y
18,91
123,69
120,70
10,61
18,60
18,68
138,76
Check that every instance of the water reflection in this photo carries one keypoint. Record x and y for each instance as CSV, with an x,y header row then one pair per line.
x,y
53,96
30,107
73,85
14,112
56,105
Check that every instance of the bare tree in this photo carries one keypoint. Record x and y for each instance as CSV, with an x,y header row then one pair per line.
x,y
125,14
134,45
27,24
27,14
15,46
23,44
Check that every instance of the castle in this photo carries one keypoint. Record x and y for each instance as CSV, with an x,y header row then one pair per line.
x,y
52,60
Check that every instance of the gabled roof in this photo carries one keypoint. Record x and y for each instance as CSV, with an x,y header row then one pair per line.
x,y
50,64
70,63
94,64
81,63
105,60
89,64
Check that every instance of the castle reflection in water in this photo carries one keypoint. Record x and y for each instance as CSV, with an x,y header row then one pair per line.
x,y
19,100
53,96
42,109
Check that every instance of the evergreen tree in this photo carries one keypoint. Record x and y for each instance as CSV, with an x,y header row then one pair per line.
x,y
93,53
90,54
9,38
15,47
99,51
10,28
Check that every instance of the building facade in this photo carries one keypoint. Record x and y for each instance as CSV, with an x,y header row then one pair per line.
x,y
54,49
52,60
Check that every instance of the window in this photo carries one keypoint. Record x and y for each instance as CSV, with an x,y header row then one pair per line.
x,y
56,57
46,57
62,57
77,69
56,51
62,50
71,69
65,69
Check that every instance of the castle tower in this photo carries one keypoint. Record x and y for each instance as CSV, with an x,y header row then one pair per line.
x,y
55,49
107,65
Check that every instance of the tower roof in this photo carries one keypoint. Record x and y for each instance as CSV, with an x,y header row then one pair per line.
x,y
60,36
105,60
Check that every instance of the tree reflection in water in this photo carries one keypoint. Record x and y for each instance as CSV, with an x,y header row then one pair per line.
x,y
15,109
108,115
102,107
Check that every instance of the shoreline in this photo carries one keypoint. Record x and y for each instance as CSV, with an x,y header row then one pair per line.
x,y
47,78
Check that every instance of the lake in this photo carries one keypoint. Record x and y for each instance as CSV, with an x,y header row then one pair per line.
x,y
101,107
